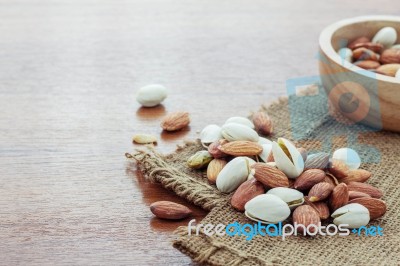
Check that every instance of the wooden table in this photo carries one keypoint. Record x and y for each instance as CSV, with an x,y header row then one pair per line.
x,y
68,75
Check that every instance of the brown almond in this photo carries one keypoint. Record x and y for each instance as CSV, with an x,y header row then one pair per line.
x,y
388,69
241,148
320,191
365,188
376,207
317,161
270,176
357,41
213,169
358,175
306,215
331,179
175,121
321,208
169,210
390,56
356,194
376,47
339,169
262,123
309,178
245,192
367,64
339,197
214,150
364,54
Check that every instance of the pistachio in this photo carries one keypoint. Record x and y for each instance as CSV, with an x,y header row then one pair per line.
x,y
262,141
267,208
266,152
233,131
240,120
233,174
288,159
292,197
354,215
151,95
209,134
144,139
349,156
199,160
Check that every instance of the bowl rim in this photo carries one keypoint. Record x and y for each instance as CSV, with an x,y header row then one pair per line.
x,y
325,44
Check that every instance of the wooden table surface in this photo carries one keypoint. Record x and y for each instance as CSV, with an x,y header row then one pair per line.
x,y
68,75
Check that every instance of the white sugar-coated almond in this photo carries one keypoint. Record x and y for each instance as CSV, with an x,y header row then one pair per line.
x,y
151,95
386,36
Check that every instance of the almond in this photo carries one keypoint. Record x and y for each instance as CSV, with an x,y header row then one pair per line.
x,y
306,215
339,197
357,41
367,64
356,194
390,56
363,53
213,169
270,176
214,150
317,161
245,192
376,47
241,148
175,121
309,178
320,191
169,210
388,69
262,123
339,169
365,188
376,207
331,179
358,175
321,208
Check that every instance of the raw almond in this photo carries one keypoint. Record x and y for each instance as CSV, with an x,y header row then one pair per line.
x,y
376,47
214,150
357,41
241,148
317,161
376,207
321,208
358,175
331,179
339,169
339,197
390,56
263,123
356,194
365,188
306,215
320,191
169,210
213,169
388,69
270,176
245,192
368,64
175,121
365,54
309,178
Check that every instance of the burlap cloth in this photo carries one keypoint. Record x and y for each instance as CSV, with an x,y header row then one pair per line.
x,y
308,119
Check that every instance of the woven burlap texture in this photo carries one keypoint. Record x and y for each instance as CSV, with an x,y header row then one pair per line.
x,y
305,119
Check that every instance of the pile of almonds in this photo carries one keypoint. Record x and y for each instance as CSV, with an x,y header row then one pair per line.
x,y
272,180
380,55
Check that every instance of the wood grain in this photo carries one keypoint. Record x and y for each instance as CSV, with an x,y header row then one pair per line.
x,y
68,75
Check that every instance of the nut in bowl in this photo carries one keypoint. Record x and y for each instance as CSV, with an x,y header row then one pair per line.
x,y
358,70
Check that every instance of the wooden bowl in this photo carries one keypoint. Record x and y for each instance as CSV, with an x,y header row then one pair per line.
x,y
357,94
